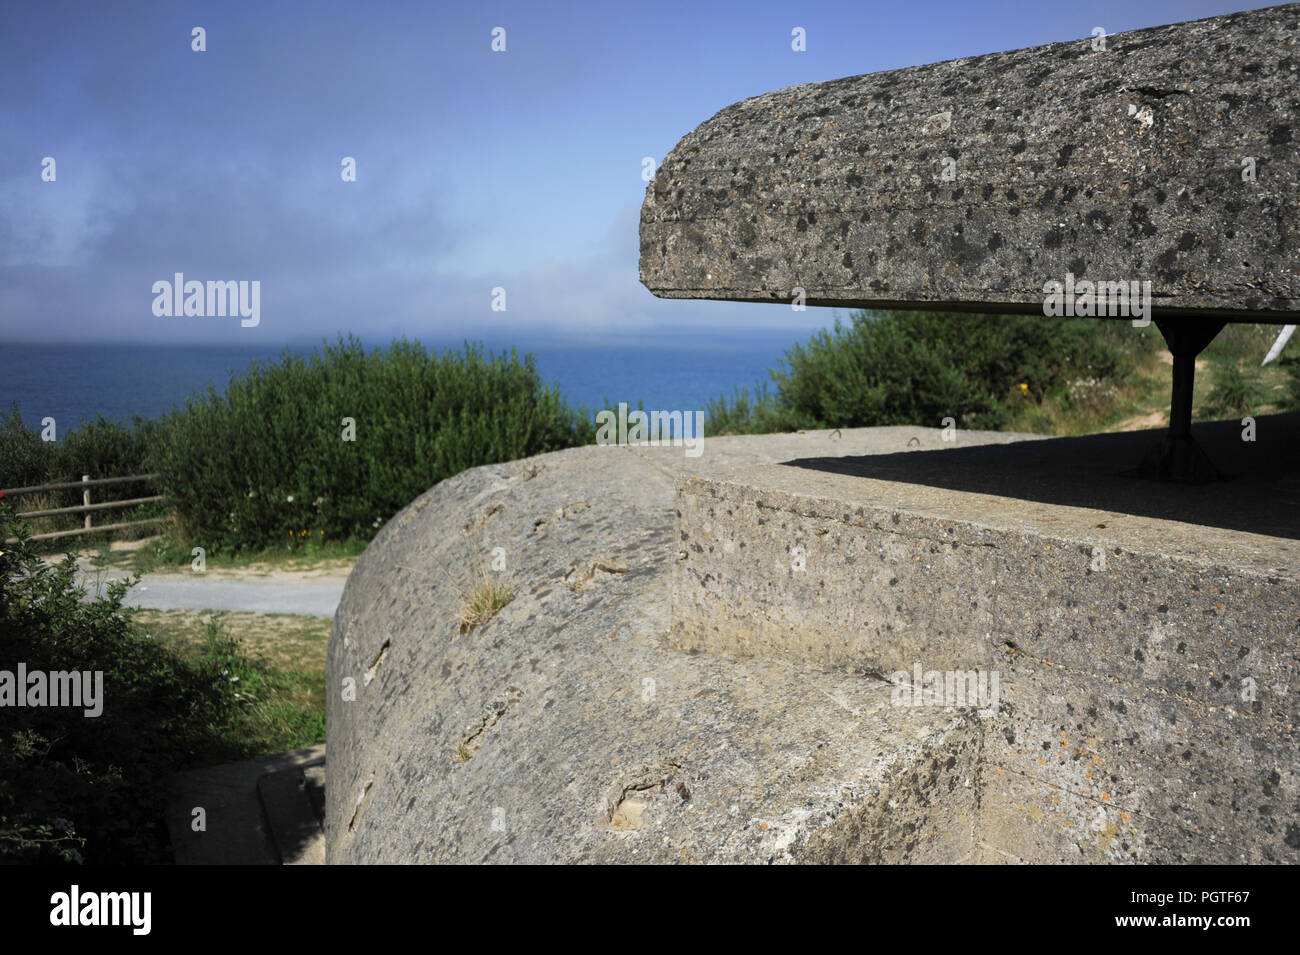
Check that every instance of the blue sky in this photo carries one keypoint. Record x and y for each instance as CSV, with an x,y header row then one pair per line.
x,y
475,169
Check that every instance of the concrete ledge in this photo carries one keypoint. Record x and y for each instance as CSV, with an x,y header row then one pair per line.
x,y
1147,661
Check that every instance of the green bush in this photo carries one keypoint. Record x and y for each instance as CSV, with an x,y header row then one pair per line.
x,y
1241,342
104,448
25,459
761,414
90,789
1290,400
266,463
891,368
100,447
1236,390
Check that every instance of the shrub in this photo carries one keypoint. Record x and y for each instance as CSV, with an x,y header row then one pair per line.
x,y
99,447
1236,391
763,414
90,789
892,368
1290,399
1242,342
266,463
1090,395
104,448
24,458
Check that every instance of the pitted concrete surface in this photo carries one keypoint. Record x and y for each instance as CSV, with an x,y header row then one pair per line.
x,y
628,704
566,730
1146,634
1115,164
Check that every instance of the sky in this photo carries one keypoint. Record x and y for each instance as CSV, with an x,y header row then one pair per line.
x,y
475,169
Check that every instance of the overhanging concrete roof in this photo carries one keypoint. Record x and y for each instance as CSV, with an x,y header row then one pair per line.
x,y
1117,165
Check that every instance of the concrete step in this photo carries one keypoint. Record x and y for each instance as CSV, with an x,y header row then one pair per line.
x,y
257,811
1144,635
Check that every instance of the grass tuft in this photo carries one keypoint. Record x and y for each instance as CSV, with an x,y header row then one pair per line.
x,y
486,594
484,599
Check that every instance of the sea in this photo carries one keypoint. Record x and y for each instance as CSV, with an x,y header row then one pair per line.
x,y
680,372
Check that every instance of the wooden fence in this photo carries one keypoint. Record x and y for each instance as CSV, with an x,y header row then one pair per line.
x,y
86,507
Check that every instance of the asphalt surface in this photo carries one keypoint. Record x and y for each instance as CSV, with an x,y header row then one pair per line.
x,y
313,597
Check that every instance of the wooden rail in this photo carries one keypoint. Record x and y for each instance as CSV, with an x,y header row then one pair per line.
x,y
86,507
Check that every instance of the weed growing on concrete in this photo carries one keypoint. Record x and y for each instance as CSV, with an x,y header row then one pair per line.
x,y
485,595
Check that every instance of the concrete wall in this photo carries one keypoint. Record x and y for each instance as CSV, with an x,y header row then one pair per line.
x,y
1147,666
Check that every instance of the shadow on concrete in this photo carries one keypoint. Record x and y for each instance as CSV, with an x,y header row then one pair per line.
x,y
1260,495
268,810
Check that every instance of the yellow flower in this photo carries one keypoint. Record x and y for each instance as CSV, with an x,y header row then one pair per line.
x,y
1024,388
